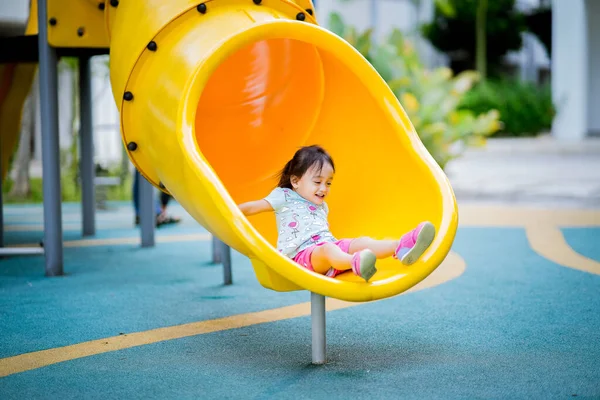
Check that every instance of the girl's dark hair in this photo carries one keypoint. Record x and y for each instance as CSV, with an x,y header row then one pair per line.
x,y
304,158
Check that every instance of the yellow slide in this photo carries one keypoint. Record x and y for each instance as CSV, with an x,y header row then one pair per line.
x,y
215,97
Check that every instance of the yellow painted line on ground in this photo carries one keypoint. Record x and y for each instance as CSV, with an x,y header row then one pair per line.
x,y
542,227
137,240
129,240
34,228
37,220
66,227
508,216
549,242
483,215
452,267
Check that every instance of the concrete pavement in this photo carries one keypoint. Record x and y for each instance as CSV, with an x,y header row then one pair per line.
x,y
541,171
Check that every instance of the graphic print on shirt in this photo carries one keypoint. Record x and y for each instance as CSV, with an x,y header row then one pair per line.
x,y
294,225
286,194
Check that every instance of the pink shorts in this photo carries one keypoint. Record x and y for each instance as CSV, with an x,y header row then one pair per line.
x,y
303,257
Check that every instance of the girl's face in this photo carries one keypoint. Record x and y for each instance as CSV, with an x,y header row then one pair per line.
x,y
314,185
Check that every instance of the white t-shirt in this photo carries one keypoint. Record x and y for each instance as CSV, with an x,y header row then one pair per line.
x,y
300,223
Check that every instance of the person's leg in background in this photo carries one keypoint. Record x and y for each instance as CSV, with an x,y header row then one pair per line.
x,y
136,196
158,209
164,200
163,217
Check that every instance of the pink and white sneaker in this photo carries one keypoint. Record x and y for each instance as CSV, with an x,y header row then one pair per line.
x,y
414,243
363,264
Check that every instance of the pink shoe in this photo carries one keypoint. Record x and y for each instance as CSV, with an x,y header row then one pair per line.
x,y
363,264
414,243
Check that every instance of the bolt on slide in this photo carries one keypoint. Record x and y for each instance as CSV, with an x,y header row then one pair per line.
x,y
215,97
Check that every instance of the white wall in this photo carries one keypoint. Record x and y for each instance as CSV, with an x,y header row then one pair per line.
x,y
394,14
406,15
385,16
593,14
14,11
355,12
569,69
108,145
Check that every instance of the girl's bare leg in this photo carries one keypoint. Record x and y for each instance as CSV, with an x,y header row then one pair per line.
x,y
381,248
410,247
329,255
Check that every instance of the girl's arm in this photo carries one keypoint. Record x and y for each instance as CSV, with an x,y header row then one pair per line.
x,y
255,207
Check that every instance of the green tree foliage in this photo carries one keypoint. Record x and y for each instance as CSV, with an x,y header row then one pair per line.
x,y
455,35
526,109
431,98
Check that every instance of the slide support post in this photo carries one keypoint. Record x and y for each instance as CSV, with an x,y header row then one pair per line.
x,y
317,314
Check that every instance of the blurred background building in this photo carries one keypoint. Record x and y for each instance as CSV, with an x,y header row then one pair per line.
x,y
574,43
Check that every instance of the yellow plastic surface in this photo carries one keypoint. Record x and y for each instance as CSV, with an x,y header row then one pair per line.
x,y
226,99
72,16
109,16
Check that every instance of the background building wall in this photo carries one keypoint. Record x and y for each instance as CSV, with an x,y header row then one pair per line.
x,y
13,16
572,90
593,17
570,69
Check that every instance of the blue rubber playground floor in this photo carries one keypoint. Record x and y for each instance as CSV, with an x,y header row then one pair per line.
x,y
515,314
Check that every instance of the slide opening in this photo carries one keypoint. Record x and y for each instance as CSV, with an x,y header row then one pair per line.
x,y
257,107
273,96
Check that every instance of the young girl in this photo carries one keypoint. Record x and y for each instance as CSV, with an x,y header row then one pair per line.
x,y
304,235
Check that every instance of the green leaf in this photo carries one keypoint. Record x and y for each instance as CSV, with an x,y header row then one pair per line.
x,y
382,62
433,99
446,8
399,83
363,42
336,24
396,39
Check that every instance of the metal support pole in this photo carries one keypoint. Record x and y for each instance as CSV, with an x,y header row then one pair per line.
x,y
147,212
226,258
216,250
53,240
86,141
317,314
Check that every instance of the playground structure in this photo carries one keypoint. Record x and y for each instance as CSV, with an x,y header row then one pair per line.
x,y
214,97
